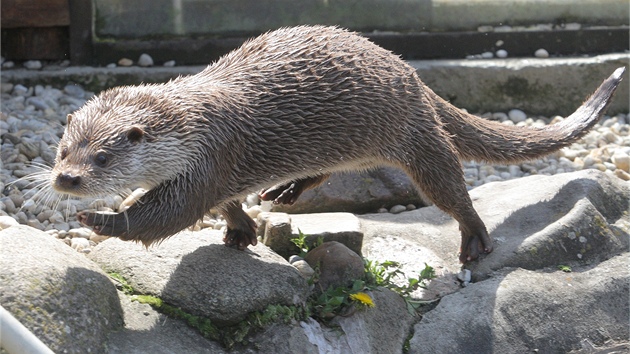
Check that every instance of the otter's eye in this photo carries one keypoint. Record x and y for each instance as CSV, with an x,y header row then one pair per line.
x,y
100,159
64,153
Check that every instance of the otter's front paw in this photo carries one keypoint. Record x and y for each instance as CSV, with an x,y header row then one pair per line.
x,y
101,224
240,238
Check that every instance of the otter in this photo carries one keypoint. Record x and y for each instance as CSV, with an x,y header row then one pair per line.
x,y
286,109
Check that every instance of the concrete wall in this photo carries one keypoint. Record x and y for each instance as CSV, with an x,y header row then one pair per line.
x,y
168,18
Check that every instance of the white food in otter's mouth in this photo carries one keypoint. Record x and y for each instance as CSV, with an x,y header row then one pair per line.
x,y
132,199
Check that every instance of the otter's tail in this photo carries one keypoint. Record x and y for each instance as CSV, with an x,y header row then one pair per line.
x,y
483,140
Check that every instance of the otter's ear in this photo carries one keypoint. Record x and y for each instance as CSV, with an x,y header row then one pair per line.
x,y
69,119
135,134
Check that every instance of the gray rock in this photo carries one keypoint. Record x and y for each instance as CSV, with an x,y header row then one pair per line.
x,y
357,193
197,273
530,220
341,227
275,229
337,264
380,329
148,331
538,213
523,311
59,295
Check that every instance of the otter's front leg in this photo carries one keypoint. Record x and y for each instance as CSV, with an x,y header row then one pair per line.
x,y
151,218
288,193
241,229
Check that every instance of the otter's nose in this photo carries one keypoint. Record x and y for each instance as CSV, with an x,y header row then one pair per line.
x,y
67,181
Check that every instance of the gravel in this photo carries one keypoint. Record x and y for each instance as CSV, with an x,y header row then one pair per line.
x,y
33,119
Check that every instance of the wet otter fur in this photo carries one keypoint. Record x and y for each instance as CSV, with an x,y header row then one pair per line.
x,y
286,109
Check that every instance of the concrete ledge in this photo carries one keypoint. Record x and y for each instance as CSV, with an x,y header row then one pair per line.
x,y
537,86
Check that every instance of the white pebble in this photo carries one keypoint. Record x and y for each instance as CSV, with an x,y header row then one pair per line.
x,y
79,243
464,276
500,116
111,65
125,62
502,53
170,63
397,209
145,60
516,115
253,211
82,232
7,221
487,55
541,53
621,161
33,64
572,26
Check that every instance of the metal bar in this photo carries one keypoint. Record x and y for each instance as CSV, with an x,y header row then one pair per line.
x,y
17,339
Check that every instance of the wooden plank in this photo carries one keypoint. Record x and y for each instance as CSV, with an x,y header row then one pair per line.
x,y
81,51
34,13
46,43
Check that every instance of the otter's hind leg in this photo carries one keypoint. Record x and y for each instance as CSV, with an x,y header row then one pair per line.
x,y
288,193
438,174
241,229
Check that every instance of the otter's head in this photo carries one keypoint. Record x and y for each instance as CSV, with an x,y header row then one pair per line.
x,y
113,144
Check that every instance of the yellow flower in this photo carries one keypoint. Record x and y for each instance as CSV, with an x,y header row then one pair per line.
x,y
362,298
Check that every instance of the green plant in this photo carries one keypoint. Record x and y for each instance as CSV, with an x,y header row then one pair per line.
x,y
122,283
333,301
564,268
302,242
384,274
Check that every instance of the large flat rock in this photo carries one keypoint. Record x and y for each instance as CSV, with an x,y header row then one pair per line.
x,y
196,272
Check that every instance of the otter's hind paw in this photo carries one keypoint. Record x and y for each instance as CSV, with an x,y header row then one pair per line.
x,y
282,194
474,244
